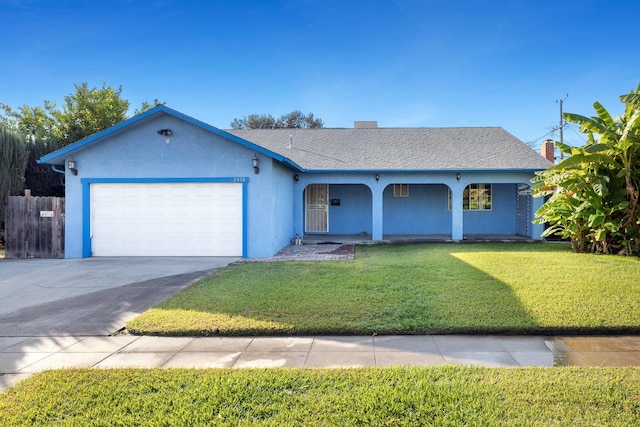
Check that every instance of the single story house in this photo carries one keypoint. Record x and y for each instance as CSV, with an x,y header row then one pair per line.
x,y
165,184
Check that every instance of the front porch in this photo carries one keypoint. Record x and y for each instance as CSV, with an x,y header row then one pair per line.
x,y
318,239
478,207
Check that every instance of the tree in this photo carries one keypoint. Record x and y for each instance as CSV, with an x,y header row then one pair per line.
x,y
593,194
13,160
41,179
293,120
48,128
255,121
147,106
32,122
88,111
297,120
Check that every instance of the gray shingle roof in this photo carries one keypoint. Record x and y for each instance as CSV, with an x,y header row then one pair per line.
x,y
411,149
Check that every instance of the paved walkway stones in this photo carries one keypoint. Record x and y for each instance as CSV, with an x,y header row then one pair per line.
x,y
320,252
23,356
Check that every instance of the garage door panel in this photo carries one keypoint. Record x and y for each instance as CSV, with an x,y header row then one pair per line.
x,y
166,219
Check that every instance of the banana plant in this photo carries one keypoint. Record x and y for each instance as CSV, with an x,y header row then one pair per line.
x,y
592,195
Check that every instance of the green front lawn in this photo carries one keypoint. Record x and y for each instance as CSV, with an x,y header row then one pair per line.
x,y
374,396
412,289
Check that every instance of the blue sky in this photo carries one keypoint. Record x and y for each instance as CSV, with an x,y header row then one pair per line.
x,y
432,63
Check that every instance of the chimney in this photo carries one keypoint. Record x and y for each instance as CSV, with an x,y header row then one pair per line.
x,y
548,150
365,125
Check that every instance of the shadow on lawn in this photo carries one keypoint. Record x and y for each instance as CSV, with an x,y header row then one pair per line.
x,y
463,298
403,289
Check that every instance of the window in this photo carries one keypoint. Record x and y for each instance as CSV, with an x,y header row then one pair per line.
x,y
400,190
476,197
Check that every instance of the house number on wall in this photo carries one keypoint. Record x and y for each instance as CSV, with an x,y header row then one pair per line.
x,y
46,214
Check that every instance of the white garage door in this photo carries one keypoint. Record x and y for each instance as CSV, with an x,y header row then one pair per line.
x,y
166,219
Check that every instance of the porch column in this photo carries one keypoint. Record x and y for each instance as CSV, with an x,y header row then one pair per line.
x,y
376,211
457,217
536,229
298,209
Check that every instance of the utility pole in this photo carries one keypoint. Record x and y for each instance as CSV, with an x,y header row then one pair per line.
x,y
561,127
561,121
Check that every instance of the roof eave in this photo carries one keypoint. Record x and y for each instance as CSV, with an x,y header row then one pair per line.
x,y
416,171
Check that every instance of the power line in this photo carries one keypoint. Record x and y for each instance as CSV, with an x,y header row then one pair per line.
x,y
581,136
316,153
543,136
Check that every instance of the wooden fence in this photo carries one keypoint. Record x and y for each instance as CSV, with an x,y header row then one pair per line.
x,y
34,227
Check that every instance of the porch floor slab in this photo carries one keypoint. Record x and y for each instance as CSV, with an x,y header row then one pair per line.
x,y
315,239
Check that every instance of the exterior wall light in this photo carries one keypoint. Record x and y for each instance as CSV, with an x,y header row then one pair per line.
x,y
256,164
296,177
167,133
458,176
71,164
377,177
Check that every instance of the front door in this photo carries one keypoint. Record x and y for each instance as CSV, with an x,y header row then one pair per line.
x,y
316,208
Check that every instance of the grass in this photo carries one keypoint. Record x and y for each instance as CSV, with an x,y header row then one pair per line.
x,y
412,289
387,289
447,395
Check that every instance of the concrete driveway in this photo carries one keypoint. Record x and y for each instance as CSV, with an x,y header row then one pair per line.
x,y
91,296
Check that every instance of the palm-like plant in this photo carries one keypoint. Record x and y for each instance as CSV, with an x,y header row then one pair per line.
x,y
593,194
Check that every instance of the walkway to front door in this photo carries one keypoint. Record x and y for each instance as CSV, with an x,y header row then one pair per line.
x,y
322,252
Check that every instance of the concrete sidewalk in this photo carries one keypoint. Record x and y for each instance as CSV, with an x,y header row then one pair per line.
x,y
20,357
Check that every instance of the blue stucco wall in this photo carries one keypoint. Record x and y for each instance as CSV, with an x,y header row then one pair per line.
x,y
501,219
353,216
281,211
424,211
139,152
